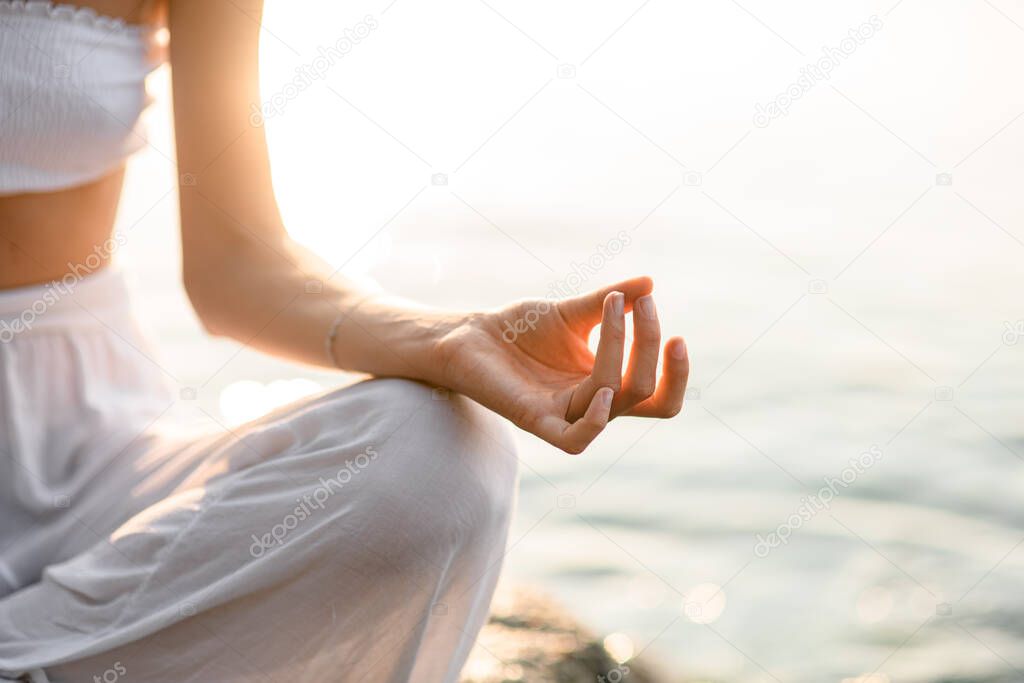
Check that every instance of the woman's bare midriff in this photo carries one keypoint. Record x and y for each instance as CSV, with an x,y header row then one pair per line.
x,y
45,234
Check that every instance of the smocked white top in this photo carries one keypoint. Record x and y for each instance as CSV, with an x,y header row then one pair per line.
x,y
72,89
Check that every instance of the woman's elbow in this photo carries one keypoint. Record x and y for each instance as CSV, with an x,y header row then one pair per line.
x,y
202,295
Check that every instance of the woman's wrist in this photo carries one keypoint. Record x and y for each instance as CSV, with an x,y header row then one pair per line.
x,y
389,336
449,353
429,346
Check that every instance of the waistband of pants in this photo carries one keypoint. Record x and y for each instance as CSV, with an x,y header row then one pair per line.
x,y
79,298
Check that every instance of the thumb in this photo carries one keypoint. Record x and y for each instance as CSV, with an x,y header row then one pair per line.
x,y
584,311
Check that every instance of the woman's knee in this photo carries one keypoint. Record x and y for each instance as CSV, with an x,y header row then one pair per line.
x,y
436,467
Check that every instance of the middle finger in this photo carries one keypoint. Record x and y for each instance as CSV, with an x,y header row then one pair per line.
x,y
642,371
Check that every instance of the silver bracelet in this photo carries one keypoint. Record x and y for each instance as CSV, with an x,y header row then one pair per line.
x,y
332,334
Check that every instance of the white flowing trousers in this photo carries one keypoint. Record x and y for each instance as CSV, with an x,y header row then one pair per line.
x,y
354,536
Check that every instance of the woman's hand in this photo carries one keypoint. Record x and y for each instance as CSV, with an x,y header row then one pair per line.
x,y
530,363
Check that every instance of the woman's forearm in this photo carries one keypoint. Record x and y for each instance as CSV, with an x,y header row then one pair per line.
x,y
283,300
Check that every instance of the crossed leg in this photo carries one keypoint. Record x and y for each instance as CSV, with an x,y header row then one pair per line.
x,y
356,536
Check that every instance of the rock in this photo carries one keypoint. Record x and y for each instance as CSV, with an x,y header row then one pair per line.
x,y
530,639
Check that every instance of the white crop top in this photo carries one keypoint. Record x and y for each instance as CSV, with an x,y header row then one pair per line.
x,y
72,89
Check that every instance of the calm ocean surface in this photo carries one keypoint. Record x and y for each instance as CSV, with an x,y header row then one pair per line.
x,y
839,299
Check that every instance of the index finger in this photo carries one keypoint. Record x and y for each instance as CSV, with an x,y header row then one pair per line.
x,y
607,370
574,437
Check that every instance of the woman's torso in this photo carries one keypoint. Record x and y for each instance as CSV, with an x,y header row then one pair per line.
x,y
42,232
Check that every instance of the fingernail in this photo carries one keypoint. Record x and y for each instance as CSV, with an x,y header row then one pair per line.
x,y
606,397
618,302
679,350
646,306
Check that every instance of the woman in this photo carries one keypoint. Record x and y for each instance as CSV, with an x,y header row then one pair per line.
x,y
356,535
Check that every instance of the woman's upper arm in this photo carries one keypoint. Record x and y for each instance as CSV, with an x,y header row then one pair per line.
x,y
227,198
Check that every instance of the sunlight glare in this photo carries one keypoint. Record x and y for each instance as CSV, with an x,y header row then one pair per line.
x,y
247,400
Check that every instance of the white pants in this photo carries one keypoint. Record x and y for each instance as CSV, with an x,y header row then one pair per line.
x,y
354,536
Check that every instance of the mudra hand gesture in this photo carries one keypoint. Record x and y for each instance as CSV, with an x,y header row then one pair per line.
x,y
530,362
